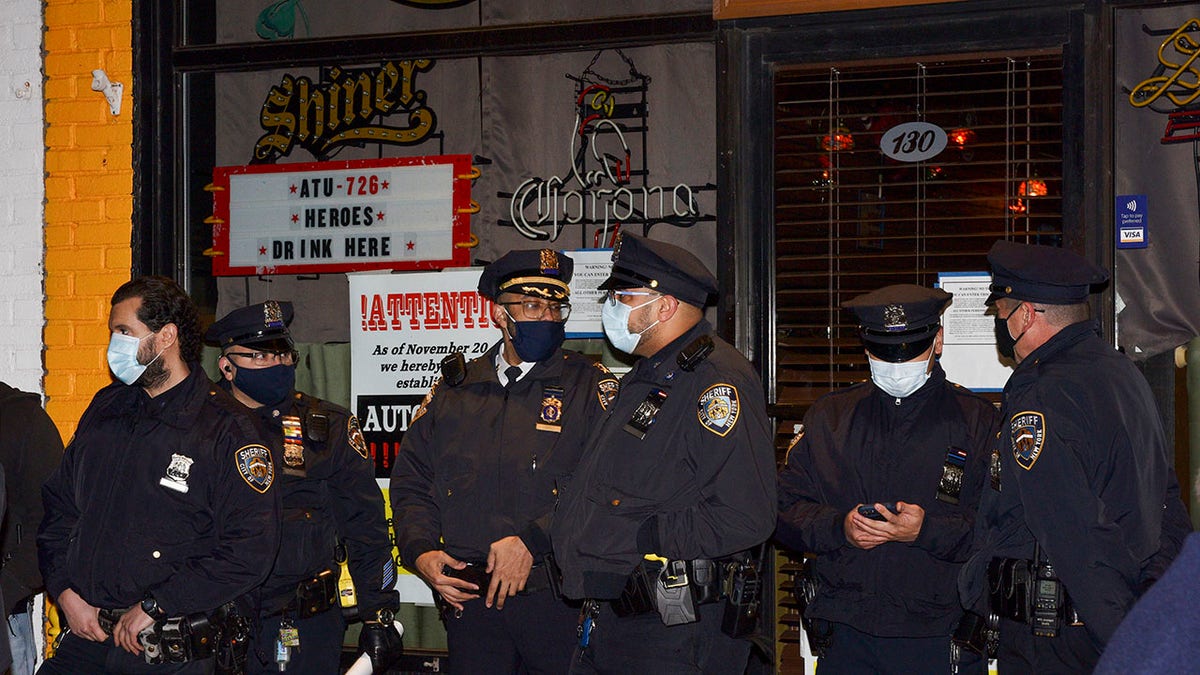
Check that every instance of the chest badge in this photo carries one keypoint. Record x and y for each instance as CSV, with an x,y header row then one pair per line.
x,y
552,410
718,408
1028,434
177,473
293,443
255,466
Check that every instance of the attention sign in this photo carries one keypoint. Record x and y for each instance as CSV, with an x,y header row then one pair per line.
x,y
347,216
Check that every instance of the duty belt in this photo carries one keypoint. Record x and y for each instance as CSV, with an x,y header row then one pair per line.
x,y
703,577
176,639
312,596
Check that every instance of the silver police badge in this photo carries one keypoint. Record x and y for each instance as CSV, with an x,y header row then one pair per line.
x,y
718,408
894,317
177,473
1028,431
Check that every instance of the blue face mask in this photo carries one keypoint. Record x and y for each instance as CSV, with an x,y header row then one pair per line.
x,y
614,316
268,386
536,340
123,357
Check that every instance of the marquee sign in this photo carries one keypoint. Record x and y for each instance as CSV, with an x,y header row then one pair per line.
x,y
355,215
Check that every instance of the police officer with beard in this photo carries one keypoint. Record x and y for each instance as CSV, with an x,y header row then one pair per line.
x,y
676,489
480,468
332,507
164,509
911,449
1082,511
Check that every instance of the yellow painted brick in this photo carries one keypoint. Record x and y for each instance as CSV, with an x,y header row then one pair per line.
x,y
85,306
73,359
58,38
108,183
87,384
58,382
100,284
59,136
98,37
102,234
58,284
59,186
61,234
77,210
74,259
70,13
118,207
114,134
78,110
58,333
79,64
121,60
118,259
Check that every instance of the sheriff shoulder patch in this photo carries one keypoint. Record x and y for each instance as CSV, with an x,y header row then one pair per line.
x,y
425,402
355,436
607,388
1028,434
255,466
718,408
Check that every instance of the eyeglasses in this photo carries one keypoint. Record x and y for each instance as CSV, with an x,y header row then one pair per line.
x,y
534,310
611,296
264,359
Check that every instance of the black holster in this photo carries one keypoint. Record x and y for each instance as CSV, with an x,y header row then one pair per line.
x,y
316,595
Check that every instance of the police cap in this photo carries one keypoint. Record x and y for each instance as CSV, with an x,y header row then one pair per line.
x,y
898,323
639,262
262,325
541,273
1045,274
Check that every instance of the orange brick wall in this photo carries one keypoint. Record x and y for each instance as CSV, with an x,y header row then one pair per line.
x,y
89,203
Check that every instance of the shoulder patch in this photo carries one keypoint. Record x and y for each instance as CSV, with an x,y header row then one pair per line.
x,y
1028,434
425,402
607,388
355,436
718,408
255,466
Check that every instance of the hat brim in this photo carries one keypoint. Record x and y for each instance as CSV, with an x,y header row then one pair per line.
x,y
277,343
616,283
898,352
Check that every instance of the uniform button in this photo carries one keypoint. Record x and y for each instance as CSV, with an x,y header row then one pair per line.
x,y
554,491
156,554
616,502
449,492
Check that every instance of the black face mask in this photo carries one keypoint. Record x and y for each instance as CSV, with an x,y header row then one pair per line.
x,y
1006,344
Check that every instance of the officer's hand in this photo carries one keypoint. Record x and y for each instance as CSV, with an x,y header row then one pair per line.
x,y
905,525
125,633
509,562
81,617
454,591
859,530
381,643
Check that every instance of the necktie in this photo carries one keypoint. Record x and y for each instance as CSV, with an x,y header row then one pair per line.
x,y
512,373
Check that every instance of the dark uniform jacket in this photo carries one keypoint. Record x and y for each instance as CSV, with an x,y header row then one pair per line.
x,y
701,484
474,467
1084,469
861,446
30,449
337,497
118,523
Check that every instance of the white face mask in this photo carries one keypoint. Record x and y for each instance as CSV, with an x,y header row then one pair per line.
x,y
899,379
123,357
615,318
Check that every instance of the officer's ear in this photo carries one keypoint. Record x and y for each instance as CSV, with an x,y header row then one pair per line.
x,y
667,307
168,334
226,368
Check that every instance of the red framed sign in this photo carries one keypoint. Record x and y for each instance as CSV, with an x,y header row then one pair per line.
x,y
410,213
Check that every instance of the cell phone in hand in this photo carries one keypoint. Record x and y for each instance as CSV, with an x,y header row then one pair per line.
x,y
869,511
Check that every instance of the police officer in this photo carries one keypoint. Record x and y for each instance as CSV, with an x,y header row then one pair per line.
x,y
164,508
911,449
480,467
332,506
683,469
1080,501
